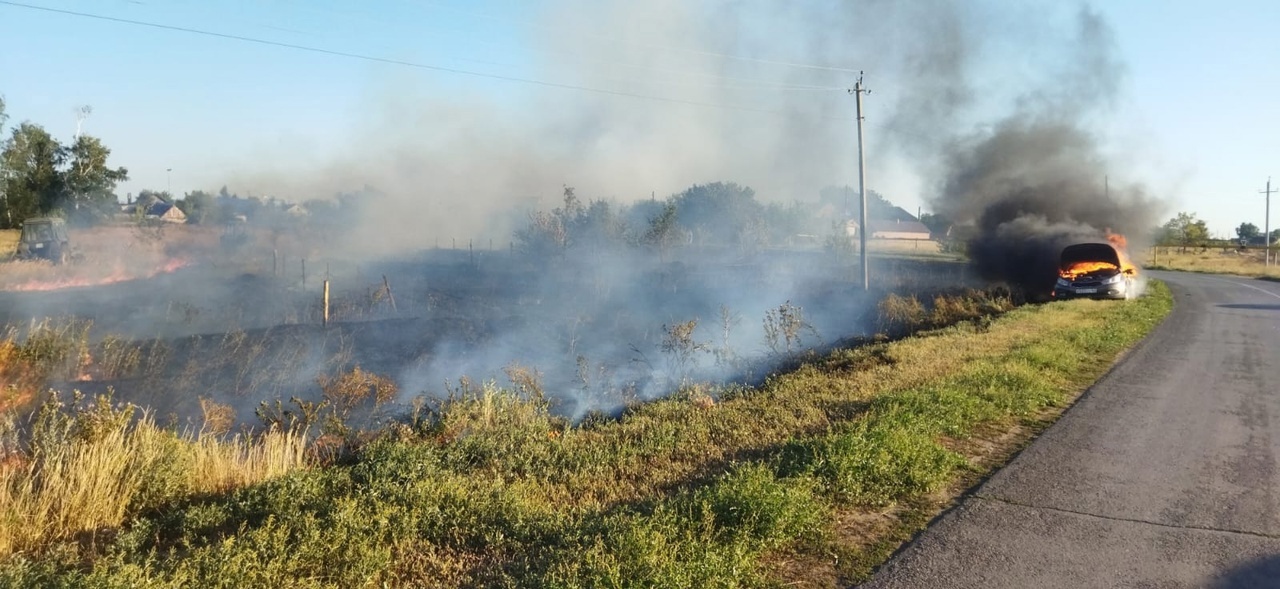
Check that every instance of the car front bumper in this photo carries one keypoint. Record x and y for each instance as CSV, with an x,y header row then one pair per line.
x,y
1119,290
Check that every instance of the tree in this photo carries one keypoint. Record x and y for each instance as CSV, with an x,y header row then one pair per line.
x,y
200,207
40,176
721,212
548,232
147,198
1186,230
878,207
90,185
1247,232
33,180
662,231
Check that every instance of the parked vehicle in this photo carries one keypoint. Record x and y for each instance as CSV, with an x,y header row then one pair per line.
x,y
1095,270
45,238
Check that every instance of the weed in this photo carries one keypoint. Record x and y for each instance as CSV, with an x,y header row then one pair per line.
x,y
724,353
679,343
784,327
218,418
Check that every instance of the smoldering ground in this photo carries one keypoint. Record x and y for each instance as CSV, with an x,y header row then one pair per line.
x,y
682,93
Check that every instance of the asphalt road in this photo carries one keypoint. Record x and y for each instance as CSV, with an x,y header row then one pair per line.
x,y
1163,475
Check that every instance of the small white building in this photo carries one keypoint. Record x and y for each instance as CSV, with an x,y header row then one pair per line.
x,y
898,229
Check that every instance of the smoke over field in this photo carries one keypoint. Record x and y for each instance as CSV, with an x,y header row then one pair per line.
x,y
455,204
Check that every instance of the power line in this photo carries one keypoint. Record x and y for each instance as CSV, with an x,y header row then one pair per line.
x,y
614,40
386,60
738,82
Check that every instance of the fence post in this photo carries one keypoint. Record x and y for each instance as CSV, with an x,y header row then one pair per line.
x,y
325,304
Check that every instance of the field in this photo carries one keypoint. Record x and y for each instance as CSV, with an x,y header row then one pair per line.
x,y
809,479
1213,260
238,327
690,417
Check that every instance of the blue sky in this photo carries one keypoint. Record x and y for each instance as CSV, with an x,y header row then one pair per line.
x,y
1196,120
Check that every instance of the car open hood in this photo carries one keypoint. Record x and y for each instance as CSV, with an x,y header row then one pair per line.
x,y
1089,252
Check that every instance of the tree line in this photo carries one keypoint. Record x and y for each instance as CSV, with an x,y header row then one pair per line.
x,y
40,176
1187,230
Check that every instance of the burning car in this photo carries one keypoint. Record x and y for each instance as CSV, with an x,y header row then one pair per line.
x,y
45,237
1096,270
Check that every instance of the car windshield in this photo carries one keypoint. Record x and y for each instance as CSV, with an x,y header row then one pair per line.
x,y
39,233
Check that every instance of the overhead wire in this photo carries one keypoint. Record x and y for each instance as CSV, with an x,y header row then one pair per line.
x,y
390,61
734,82
654,46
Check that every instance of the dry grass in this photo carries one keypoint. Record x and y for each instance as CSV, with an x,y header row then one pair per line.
x,y
89,469
1214,260
9,242
103,255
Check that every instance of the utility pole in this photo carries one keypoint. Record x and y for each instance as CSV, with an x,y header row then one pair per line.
x,y
863,230
1266,235
168,178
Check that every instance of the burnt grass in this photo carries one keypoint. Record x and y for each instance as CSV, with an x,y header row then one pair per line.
x,y
593,332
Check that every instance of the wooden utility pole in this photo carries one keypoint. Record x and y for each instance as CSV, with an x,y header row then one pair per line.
x,y
1266,231
863,230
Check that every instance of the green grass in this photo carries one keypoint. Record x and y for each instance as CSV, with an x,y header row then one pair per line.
x,y
491,490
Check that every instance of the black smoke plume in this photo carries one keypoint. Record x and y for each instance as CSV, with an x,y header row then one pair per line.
x,y
1037,181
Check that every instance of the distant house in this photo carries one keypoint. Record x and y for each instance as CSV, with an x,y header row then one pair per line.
x,y
899,229
156,210
167,212
892,229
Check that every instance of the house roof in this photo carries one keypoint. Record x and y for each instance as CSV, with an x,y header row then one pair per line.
x,y
158,209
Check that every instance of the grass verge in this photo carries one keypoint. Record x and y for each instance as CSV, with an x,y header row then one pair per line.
x,y
811,479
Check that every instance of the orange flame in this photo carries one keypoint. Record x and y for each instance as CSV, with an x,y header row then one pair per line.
x,y
1080,268
120,275
1121,246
